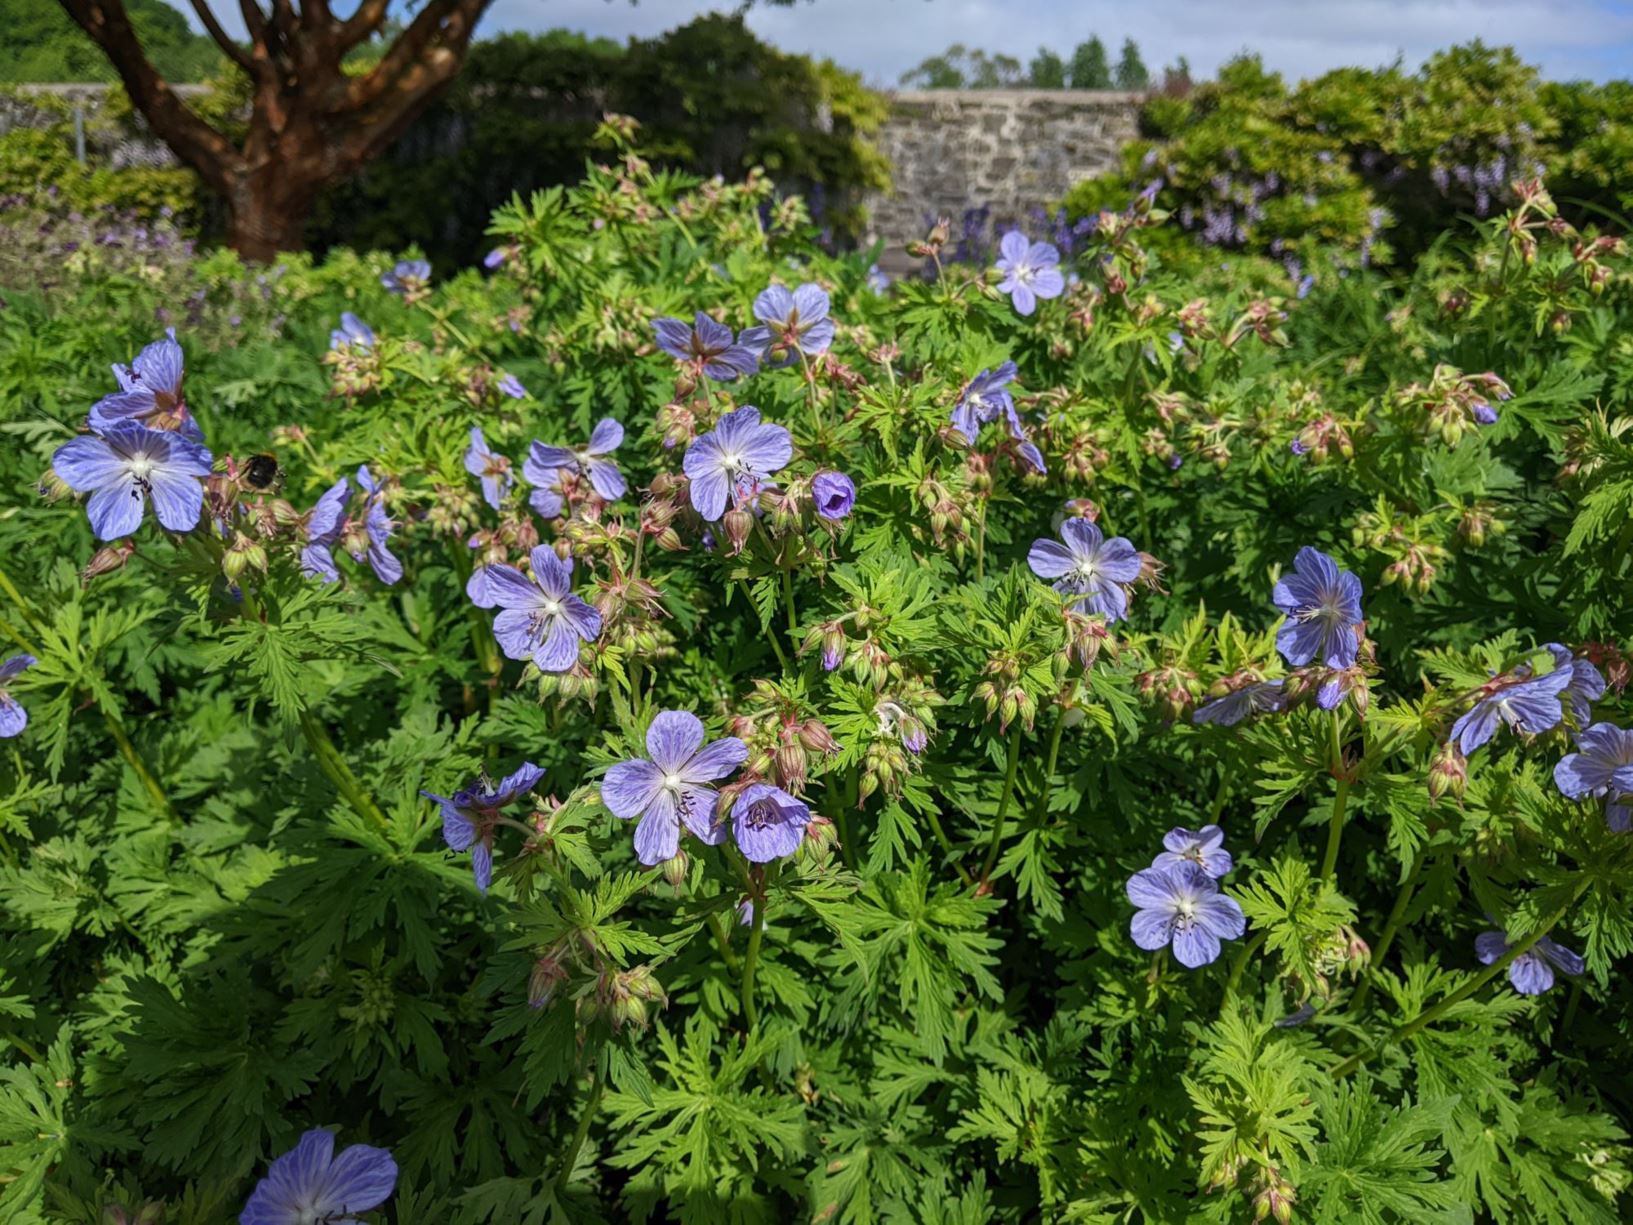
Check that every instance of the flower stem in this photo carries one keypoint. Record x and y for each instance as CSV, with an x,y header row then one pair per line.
x,y
1240,963
751,961
569,1158
1435,1011
1397,912
1335,826
788,607
127,750
340,774
981,542
719,930
947,846
1003,804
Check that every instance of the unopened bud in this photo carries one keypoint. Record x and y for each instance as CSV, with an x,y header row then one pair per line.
x,y
106,560
737,524
675,868
1448,773
814,735
548,974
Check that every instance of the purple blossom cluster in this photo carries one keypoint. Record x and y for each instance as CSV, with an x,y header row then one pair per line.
x,y
1177,900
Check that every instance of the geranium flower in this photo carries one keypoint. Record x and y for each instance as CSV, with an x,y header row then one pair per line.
x,y
1031,271
1323,608
469,817
1092,570
491,467
1532,972
542,619
149,392
768,823
605,479
352,333
364,534
670,790
126,465
706,346
1204,847
1182,906
309,1185
834,494
13,718
791,323
1530,704
734,458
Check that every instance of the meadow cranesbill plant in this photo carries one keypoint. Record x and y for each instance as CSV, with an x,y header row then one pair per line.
x,y
126,466
150,392
833,494
471,817
707,347
311,1185
768,823
793,325
362,528
1204,847
1532,971
589,461
669,788
409,279
491,468
540,618
13,718
728,464
1180,906
1528,704
1322,605
352,333
1094,573
1030,271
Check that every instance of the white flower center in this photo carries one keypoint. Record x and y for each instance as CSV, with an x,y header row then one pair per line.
x,y
672,781
552,607
141,466
732,461
1086,569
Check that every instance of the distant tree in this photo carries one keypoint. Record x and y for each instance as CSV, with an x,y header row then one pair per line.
x,y
1090,68
1176,78
994,72
1131,70
42,44
959,67
1046,71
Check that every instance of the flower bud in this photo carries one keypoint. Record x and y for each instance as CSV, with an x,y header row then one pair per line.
x,y
814,735
1448,773
548,974
674,869
738,523
241,555
108,559
789,763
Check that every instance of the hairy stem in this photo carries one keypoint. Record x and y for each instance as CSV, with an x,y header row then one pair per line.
x,y
339,773
1435,1011
127,750
1003,803
1335,826
751,961
569,1157
1397,912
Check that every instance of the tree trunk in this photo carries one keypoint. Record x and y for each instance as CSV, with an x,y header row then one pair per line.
x,y
267,212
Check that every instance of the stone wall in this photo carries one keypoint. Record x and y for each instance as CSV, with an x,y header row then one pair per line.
x,y
115,136
1010,150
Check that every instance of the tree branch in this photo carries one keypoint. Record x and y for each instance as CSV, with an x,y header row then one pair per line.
x,y
368,18
407,67
232,50
203,148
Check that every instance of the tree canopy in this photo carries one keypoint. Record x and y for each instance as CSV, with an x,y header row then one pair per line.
x,y
42,44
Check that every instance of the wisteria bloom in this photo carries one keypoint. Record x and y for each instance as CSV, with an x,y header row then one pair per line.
x,y
1090,569
590,461
1531,706
1532,972
363,532
768,823
492,468
408,277
834,495
352,333
1602,766
309,1185
128,464
733,458
670,789
13,718
470,817
511,386
1031,271
1204,847
791,323
1182,906
706,346
983,399
541,618
1253,698
1322,605
1586,687
149,392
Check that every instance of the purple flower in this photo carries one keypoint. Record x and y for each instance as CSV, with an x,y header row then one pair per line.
x,y
1182,906
13,718
1530,705
1601,766
494,258
790,324
512,387
1532,972
549,497
1323,608
491,467
768,823
1255,697
469,817
1031,271
984,397
669,790
1089,568
128,464
607,481
541,618
1484,413
363,533
352,333
408,277
309,1184
707,346
149,392
1586,687
734,458
834,495
878,279
1204,847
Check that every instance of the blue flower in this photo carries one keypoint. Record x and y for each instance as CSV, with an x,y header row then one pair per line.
x,y
1204,847
1182,906
1255,697
984,397
309,1184
128,464
541,618
790,324
834,495
603,474
768,823
470,817
408,278
706,346
1031,271
492,468
363,533
671,789
1586,687
1528,704
13,718
352,333
1532,972
1323,608
1601,767
878,279
511,386
1090,569
733,459
149,392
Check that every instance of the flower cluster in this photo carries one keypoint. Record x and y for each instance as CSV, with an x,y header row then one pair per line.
x,y
1177,899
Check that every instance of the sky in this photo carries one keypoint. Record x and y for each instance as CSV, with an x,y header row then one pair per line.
x,y
882,39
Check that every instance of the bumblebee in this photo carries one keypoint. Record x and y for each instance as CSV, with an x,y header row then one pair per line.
x,y
262,473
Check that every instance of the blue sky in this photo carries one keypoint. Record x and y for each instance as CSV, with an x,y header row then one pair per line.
x,y
881,39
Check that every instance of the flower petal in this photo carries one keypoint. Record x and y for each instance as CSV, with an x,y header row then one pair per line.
x,y
559,649
1195,947
361,1178
1050,559
629,786
716,760
177,500
672,740
116,510
1151,929
87,462
657,837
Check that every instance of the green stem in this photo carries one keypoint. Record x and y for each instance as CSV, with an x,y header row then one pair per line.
x,y
788,607
569,1158
30,1052
23,606
947,846
127,750
12,632
1335,826
1397,912
1435,1011
719,930
981,542
340,774
1218,807
1240,963
751,961
1570,1008
1003,803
